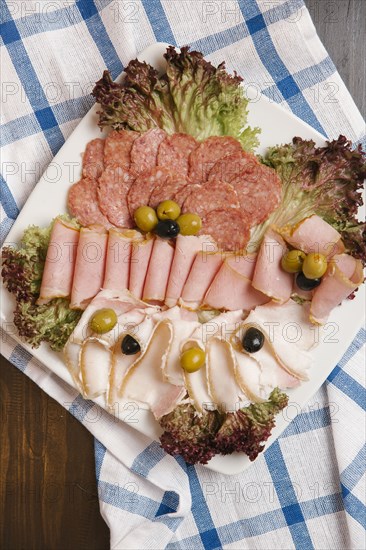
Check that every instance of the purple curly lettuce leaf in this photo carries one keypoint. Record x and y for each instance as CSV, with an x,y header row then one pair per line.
x,y
326,181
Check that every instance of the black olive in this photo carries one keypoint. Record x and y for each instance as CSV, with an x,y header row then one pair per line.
x,y
253,340
167,229
306,284
129,345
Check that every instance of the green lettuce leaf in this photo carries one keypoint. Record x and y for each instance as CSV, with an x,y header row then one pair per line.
x,y
193,97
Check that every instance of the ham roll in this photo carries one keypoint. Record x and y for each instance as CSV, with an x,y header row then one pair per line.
x,y
117,270
60,262
158,272
140,257
203,271
89,266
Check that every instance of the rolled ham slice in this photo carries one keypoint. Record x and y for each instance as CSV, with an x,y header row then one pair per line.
x,y
269,277
232,287
60,262
140,257
343,276
313,234
203,271
186,248
117,270
158,272
89,266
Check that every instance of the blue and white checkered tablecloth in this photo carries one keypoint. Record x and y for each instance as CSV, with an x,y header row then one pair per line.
x,y
307,490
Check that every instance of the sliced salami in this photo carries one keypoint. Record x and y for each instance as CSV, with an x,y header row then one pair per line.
x,y
174,152
203,158
144,185
167,190
231,167
144,152
228,227
82,202
205,198
259,192
118,145
93,159
182,193
113,187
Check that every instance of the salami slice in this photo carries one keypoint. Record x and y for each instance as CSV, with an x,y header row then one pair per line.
x,y
166,190
205,198
144,185
203,158
228,227
82,202
184,192
259,192
233,166
93,163
144,152
174,152
113,187
118,146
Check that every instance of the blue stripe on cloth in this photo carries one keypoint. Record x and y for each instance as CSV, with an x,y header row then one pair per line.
x,y
273,63
287,497
158,21
169,504
147,459
7,200
20,357
308,421
349,386
93,21
26,73
357,343
99,452
352,474
201,513
80,407
5,227
355,508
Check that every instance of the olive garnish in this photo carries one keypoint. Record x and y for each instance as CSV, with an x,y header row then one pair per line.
x,y
167,229
253,340
306,284
129,345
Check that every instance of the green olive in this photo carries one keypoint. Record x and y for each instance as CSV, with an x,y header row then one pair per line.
x,y
145,218
192,359
314,266
189,224
103,320
292,261
168,210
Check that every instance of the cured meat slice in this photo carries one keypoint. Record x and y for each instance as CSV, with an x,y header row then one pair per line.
x,y
174,152
144,152
60,262
93,158
184,192
269,277
203,158
140,257
158,272
117,270
211,197
232,166
259,192
118,146
113,187
203,271
143,186
167,190
82,202
228,227
89,266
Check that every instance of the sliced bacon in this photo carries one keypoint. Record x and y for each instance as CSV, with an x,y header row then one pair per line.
x,y
343,276
269,277
232,287
203,271
89,266
140,257
157,275
117,270
60,262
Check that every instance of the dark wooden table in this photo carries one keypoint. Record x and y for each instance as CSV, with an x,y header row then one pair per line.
x,y
48,496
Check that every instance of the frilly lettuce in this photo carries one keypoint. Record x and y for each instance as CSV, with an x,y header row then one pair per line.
x,y
193,97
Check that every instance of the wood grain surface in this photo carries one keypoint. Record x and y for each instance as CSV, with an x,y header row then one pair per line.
x,y
48,496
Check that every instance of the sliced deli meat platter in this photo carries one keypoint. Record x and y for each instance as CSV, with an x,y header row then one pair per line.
x,y
209,269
